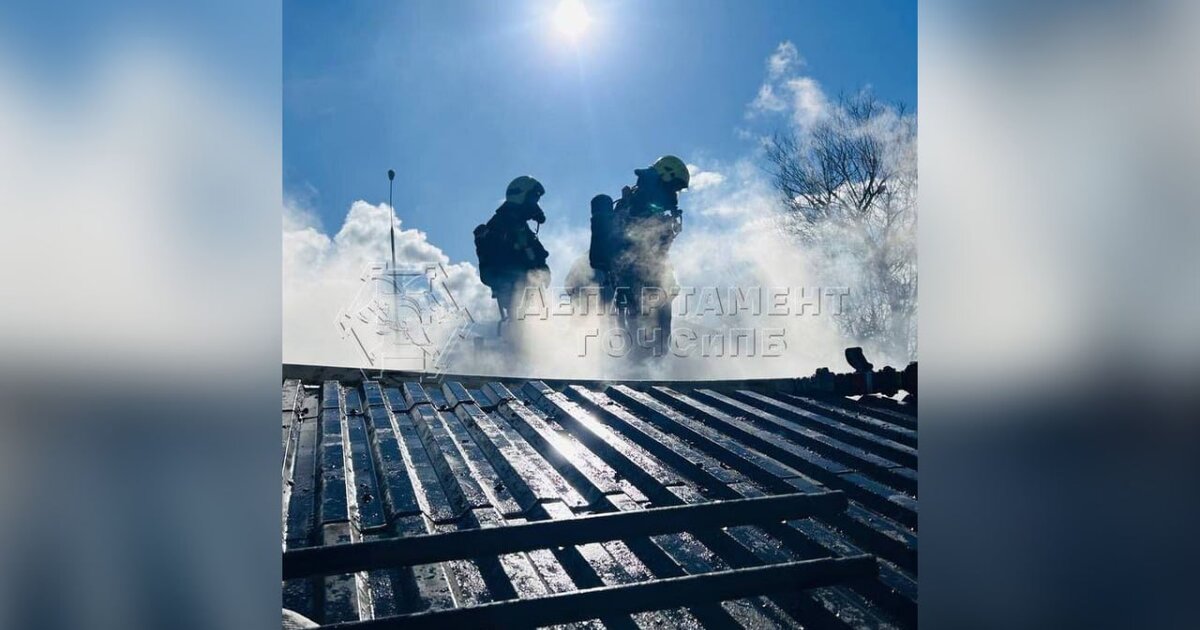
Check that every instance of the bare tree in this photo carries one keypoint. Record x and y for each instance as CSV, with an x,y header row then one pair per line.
x,y
848,185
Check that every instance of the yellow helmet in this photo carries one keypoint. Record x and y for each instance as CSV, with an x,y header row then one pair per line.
x,y
519,190
671,169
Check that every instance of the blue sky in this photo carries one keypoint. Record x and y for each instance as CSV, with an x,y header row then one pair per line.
x,y
460,97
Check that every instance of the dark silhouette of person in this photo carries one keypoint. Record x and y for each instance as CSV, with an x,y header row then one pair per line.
x,y
631,239
511,258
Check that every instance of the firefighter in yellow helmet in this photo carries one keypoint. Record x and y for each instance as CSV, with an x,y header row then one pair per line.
x,y
631,240
510,255
658,187
673,172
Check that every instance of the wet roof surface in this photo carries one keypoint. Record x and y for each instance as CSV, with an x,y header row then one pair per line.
x,y
368,461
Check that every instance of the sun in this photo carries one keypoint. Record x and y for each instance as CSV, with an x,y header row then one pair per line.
x,y
571,19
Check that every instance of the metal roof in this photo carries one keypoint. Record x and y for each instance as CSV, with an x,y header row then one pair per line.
x,y
769,503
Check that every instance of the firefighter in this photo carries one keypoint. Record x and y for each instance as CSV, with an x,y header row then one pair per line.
x,y
511,258
658,187
630,243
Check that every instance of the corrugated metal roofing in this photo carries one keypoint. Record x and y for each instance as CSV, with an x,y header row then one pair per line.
x,y
367,461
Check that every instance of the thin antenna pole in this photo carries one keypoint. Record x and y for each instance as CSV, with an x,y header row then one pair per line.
x,y
391,222
392,233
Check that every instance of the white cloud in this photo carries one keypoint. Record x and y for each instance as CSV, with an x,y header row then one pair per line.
x,y
786,92
783,60
766,101
744,195
701,179
809,103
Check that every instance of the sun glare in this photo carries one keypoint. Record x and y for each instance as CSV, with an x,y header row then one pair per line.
x,y
571,19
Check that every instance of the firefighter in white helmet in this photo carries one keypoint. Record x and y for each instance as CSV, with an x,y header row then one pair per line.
x,y
511,257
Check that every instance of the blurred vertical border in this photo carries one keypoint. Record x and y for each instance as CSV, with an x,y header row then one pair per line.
x,y
1060,300
139,333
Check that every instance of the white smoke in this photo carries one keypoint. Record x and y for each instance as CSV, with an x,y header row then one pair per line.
x,y
322,274
733,245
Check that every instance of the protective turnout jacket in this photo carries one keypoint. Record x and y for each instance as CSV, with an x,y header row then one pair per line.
x,y
507,248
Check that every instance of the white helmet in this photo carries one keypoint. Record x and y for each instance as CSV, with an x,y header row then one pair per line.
x,y
520,189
